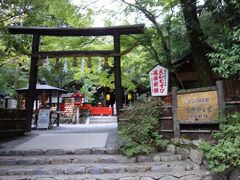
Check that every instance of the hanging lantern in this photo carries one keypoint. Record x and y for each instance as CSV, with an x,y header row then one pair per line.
x,y
74,63
129,96
77,98
108,97
106,65
89,63
83,65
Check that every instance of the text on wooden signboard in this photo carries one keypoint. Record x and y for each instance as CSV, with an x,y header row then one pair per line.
x,y
198,106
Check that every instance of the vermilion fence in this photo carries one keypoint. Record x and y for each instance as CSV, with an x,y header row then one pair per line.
x,y
96,111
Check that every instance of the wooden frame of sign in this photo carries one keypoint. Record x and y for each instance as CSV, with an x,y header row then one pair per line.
x,y
43,119
194,107
198,105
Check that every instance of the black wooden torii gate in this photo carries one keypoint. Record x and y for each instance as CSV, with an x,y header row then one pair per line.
x,y
37,32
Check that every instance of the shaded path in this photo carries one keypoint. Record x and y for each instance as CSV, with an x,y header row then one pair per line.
x,y
65,136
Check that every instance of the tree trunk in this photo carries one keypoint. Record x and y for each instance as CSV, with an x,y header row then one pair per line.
x,y
199,47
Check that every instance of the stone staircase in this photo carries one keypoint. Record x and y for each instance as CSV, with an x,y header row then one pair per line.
x,y
96,163
102,119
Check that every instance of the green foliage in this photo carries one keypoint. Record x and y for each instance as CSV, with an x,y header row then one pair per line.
x,y
225,154
164,40
225,13
226,57
15,50
141,129
221,25
164,37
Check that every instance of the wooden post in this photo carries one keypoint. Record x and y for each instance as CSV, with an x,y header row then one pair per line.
x,y
50,100
176,126
117,74
6,103
104,97
58,108
221,97
221,94
32,81
77,118
36,100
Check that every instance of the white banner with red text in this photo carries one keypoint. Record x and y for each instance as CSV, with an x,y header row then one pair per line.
x,y
159,81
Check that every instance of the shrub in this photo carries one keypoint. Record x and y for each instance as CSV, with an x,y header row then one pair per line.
x,y
225,154
141,130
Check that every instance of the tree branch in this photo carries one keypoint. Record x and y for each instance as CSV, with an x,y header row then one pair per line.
x,y
151,17
150,48
88,42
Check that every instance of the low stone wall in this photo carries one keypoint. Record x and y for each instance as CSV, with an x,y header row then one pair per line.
x,y
188,149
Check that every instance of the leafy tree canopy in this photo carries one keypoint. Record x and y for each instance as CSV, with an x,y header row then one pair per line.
x,y
165,40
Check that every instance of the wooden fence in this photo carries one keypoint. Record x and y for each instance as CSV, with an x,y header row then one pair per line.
x,y
199,119
231,90
166,122
12,122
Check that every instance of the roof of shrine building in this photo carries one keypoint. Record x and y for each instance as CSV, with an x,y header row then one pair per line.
x,y
40,87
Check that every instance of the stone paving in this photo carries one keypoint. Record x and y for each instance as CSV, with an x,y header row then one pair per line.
x,y
67,141
87,133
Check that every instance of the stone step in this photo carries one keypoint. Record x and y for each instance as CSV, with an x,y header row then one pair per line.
x,y
185,175
98,168
102,119
50,152
114,118
88,158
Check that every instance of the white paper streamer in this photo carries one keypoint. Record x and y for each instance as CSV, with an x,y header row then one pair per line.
x,y
47,65
99,64
83,65
65,66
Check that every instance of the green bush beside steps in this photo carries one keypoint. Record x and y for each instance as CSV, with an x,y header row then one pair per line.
x,y
225,154
141,130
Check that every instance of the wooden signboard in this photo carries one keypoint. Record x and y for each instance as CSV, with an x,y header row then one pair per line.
x,y
198,106
43,119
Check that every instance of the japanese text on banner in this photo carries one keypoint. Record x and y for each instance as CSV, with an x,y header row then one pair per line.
x,y
159,81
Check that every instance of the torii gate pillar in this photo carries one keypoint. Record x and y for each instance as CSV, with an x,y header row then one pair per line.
x,y
32,81
117,74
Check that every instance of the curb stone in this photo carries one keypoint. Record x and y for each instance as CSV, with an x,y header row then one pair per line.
x,y
50,152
